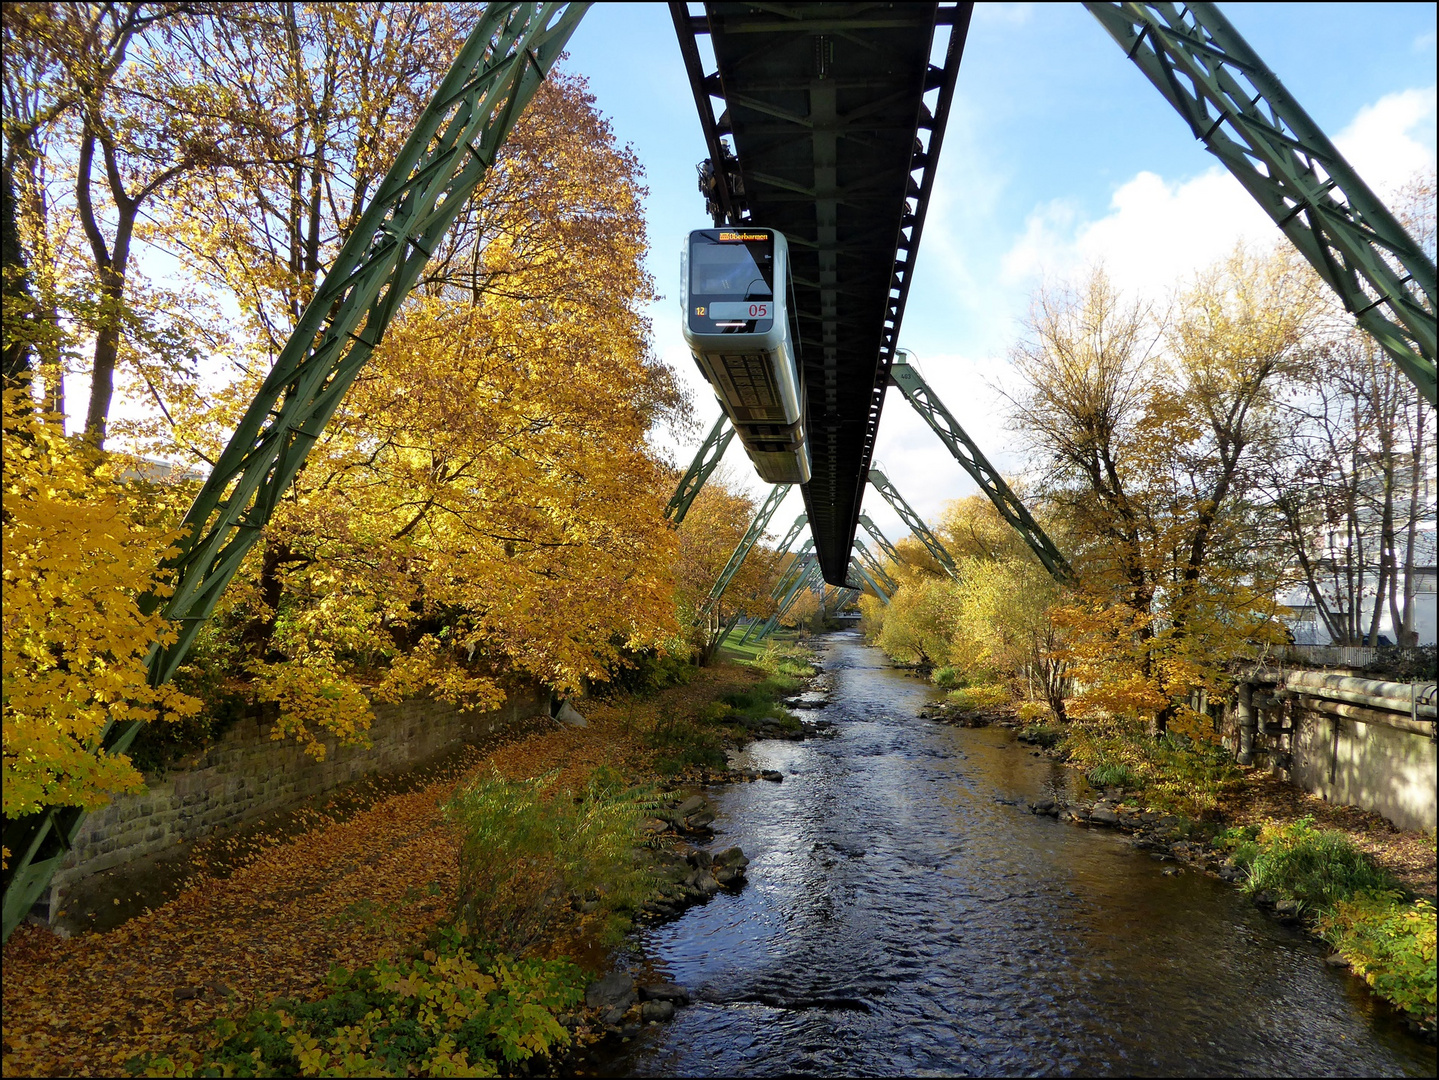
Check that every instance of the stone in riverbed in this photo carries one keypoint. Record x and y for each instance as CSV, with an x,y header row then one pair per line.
x,y
731,857
689,806
657,1011
1336,960
666,991
1103,815
615,991
772,775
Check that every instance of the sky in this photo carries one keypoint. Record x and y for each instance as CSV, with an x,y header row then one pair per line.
x,y
1059,154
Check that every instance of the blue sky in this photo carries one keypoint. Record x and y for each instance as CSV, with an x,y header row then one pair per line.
x,y
1058,153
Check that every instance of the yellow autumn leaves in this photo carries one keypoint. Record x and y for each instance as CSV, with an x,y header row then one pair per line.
x,y
77,556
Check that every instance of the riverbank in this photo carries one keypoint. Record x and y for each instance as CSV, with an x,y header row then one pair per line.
x,y
374,888
1350,878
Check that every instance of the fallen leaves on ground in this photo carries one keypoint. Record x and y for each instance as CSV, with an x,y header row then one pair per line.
x,y
346,892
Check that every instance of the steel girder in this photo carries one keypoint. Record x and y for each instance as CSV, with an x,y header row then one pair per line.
x,y
1243,114
867,557
856,567
810,575
837,119
706,460
798,564
885,546
497,72
914,521
793,534
751,537
926,402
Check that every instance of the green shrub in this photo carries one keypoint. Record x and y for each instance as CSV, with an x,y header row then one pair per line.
x,y
684,744
947,678
450,1013
528,850
1113,774
984,696
1317,867
1390,944
793,661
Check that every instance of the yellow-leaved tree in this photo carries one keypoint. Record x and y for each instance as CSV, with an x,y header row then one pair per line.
x,y
80,548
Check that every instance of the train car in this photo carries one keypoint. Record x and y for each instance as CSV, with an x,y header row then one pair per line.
x,y
739,324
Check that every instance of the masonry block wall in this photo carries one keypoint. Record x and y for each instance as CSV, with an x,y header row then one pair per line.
x,y
247,774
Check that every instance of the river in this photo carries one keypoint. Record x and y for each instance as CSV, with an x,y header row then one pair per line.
x,y
906,915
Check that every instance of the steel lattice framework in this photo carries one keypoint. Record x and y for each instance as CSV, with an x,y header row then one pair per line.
x,y
1243,114
926,402
916,523
751,537
498,70
867,557
856,567
706,460
885,546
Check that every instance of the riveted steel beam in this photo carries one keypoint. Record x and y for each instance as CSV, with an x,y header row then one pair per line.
x,y
889,550
916,523
906,376
810,575
706,460
492,80
874,566
856,567
751,537
793,534
1243,114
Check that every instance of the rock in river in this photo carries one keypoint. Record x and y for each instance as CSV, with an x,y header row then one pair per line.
x,y
615,991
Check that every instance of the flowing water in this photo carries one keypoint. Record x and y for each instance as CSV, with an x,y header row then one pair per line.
x,y
907,916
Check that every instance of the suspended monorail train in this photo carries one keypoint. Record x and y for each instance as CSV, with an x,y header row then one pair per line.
x,y
739,323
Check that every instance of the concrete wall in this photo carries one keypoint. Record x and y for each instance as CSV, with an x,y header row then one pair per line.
x,y
1372,766
247,774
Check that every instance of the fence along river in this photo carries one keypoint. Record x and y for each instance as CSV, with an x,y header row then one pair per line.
x,y
907,916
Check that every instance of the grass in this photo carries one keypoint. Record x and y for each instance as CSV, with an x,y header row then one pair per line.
x,y
1356,906
529,851
1296,861
1174,773
982,696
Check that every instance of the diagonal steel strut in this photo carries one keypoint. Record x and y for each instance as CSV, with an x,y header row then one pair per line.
x,y
707,459
914,521
1243,114
926,402
492,80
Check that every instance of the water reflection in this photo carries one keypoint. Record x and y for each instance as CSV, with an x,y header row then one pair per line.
x,y
905,917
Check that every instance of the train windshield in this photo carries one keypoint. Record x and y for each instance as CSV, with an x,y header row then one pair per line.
x,y
742,268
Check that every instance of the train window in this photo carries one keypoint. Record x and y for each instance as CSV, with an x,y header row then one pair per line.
x,y
742,270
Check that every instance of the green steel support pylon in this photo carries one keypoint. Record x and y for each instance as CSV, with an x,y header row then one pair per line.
x,y
875,587
890,552
498,70
793,534
926,402
1243,114
811,573
751,537
874,567
796,566
916,523
706,460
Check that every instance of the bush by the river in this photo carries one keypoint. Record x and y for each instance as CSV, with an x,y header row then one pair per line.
x,y
1386,938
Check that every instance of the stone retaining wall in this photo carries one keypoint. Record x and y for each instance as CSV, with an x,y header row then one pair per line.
x,y
247,774
1374,766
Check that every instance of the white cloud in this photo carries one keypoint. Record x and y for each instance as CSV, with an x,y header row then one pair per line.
x,y
1391,140
1159,231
